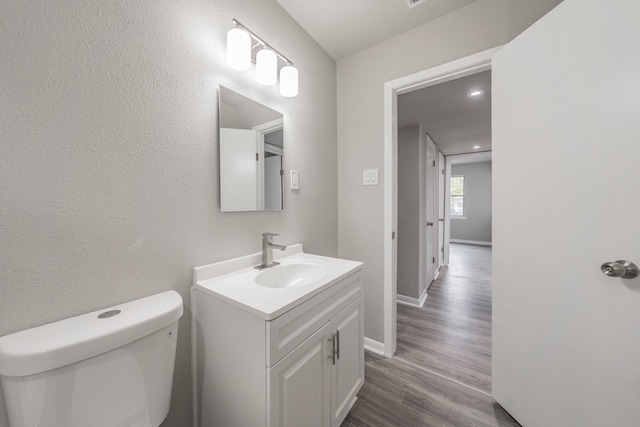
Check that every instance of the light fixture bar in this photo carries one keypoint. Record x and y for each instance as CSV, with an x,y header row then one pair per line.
x,y
261,41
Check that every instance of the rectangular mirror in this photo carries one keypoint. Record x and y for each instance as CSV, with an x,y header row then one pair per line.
x,y
251,151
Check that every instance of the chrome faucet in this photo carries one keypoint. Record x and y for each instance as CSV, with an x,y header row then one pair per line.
x,y
267,251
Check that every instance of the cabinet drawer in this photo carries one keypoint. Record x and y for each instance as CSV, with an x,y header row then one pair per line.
x,y
286,332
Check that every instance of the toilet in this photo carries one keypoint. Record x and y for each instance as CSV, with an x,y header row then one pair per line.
x,y
108,368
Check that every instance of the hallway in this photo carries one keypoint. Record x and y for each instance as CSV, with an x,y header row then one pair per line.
x,y
441,373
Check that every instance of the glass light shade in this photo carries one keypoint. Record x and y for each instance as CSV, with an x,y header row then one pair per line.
x,y
266,67
289,81
238,49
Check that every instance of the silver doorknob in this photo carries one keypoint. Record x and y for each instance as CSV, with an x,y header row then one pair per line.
x,y
621,268
429,224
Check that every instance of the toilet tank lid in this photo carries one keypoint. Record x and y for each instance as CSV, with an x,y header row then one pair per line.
x,y
78,338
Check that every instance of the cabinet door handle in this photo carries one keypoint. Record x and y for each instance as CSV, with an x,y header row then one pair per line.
x,y
332,356
338,344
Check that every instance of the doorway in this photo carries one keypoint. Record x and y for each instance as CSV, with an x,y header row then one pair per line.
x,y
461,68
448,333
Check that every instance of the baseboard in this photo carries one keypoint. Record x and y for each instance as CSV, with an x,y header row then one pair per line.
x,y
374,346
470,242
416,302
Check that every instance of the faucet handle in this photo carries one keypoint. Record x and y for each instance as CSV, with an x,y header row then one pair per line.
x,y
269,235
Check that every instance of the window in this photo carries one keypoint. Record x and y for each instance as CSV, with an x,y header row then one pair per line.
x,y
457,195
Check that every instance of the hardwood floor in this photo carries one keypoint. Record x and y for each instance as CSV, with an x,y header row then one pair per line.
x,y
441,374
451,334
398,394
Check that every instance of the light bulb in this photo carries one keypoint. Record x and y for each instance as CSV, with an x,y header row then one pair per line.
x,y
238,49
266,67
289,81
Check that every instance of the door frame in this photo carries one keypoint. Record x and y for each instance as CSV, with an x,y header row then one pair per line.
x,y
264,129
481,156
431,188
462,67
441,209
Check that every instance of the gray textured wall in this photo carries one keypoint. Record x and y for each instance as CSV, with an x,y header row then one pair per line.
x,y
108,165
476,224
481,25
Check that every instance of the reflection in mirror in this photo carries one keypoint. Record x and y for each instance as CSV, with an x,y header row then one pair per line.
x,y
251,150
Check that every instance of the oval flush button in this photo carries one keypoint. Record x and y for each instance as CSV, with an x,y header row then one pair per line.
x,y
108,314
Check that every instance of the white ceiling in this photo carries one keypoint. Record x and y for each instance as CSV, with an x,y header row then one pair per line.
x,y
455,122
343,27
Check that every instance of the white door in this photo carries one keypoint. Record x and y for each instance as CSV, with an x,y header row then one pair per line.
x,y
566,167
441,204
431,210
347,375
239,170
299,385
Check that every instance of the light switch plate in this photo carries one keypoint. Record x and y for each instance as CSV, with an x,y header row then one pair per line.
x,y
370,177
295,180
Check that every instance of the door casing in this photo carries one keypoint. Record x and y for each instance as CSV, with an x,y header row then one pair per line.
x,y
442,73
431,211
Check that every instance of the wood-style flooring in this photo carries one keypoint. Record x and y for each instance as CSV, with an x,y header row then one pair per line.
x,y
441,373
451,334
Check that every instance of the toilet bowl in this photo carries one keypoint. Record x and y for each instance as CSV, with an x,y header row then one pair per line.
x,y
109,368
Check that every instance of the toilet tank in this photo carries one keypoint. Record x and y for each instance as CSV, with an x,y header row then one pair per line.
x,y
109,368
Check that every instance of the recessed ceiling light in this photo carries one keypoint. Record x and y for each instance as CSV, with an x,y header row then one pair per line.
x,y
476,92
475,147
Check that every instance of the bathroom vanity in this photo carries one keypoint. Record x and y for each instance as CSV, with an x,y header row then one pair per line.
x,y
283,346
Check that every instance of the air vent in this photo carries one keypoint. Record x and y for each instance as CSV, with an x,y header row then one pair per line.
x,y
414,3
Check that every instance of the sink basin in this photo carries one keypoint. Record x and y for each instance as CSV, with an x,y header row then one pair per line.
x,y
291,275
271,292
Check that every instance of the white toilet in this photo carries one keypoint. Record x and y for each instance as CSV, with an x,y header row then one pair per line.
x,y
109,368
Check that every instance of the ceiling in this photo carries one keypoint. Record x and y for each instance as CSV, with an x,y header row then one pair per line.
x,y
455,121
344,27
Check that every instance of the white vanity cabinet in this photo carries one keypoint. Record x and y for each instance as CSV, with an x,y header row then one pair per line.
x,y
316,383
301,368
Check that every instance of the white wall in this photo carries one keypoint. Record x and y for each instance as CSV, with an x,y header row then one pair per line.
x,y
476,222
108,167
411,212
474,28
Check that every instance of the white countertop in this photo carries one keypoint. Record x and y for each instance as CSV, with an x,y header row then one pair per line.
x,y
234,281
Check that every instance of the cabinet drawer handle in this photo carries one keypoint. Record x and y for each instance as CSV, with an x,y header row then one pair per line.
x,y
332,356
338,344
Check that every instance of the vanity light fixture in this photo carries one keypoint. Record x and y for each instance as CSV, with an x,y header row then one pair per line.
x,y
477,92
475,147
239,58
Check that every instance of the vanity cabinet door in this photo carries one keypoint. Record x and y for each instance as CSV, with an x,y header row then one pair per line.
x,y
299,384
348,372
